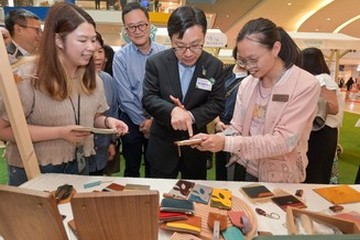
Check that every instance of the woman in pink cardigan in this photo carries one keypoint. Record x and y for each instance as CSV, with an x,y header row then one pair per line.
x,y
274,110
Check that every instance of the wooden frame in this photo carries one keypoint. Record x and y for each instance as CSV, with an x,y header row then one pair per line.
x,y
11,100
29,214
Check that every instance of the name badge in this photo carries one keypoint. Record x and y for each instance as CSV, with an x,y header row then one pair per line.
x,y
203,84
280,98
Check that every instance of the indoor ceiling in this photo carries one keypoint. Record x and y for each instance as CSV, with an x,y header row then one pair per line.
x,y
329,16
332,16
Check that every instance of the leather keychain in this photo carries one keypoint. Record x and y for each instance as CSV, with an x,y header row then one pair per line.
x,y
63,192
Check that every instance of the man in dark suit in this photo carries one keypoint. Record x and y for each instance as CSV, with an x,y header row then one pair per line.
x,y
183,92
25,30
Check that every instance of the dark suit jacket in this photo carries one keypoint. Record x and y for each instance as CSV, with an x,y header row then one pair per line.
x,y
161,81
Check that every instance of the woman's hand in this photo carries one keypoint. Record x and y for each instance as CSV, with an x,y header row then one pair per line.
x,y
211,142
70,134
117,124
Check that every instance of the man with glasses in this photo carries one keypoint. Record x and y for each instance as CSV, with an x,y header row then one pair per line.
x,y
183,91
129,71
25,30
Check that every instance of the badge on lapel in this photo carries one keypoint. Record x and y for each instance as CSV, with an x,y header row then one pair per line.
x,y
203,82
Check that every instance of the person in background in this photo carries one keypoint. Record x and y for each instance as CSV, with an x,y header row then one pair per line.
x,y
349,83
183,91
274,109
5,35
109,56
25,30
105,145
123,4
61,98
129,71
112,166
97,4
234,75
322,143
341,83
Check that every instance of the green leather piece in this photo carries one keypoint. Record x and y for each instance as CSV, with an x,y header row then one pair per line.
x,y
232,233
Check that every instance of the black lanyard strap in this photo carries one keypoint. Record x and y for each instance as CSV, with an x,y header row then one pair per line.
x,y
77,117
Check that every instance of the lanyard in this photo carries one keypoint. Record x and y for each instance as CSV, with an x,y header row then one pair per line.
x,y
77,118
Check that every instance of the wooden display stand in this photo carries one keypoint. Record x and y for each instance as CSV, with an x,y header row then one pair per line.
x,y
11,100
347,227
125,215
29,214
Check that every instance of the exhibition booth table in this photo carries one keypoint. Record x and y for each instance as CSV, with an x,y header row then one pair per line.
x,y
275,225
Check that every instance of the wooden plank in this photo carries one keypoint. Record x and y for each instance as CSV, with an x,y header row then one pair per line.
x,y
120,215
29,214
11,99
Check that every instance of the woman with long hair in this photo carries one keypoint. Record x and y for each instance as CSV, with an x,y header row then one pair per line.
x,y
60,93
274,109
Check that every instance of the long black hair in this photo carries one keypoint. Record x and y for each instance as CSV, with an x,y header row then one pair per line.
x,y
314,61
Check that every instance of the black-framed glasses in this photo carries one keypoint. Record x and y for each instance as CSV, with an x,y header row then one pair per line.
x,y
37,29
194,48
142,27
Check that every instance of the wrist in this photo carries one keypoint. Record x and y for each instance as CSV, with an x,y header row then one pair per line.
x,y
192,117
106,122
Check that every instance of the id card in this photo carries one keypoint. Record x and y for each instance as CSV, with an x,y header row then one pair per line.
x,y
203,84
80,158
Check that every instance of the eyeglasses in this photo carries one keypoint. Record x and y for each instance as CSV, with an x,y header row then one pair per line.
x,y
249,63
37,29
194,49
142,27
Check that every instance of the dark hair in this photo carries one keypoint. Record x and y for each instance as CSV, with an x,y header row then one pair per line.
x,y
62,19
133,6
234,53
19,17
109,54
186,17
313,61
99,39
267,33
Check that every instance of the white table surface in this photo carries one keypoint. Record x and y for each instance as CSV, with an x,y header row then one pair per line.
x,y
50,182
